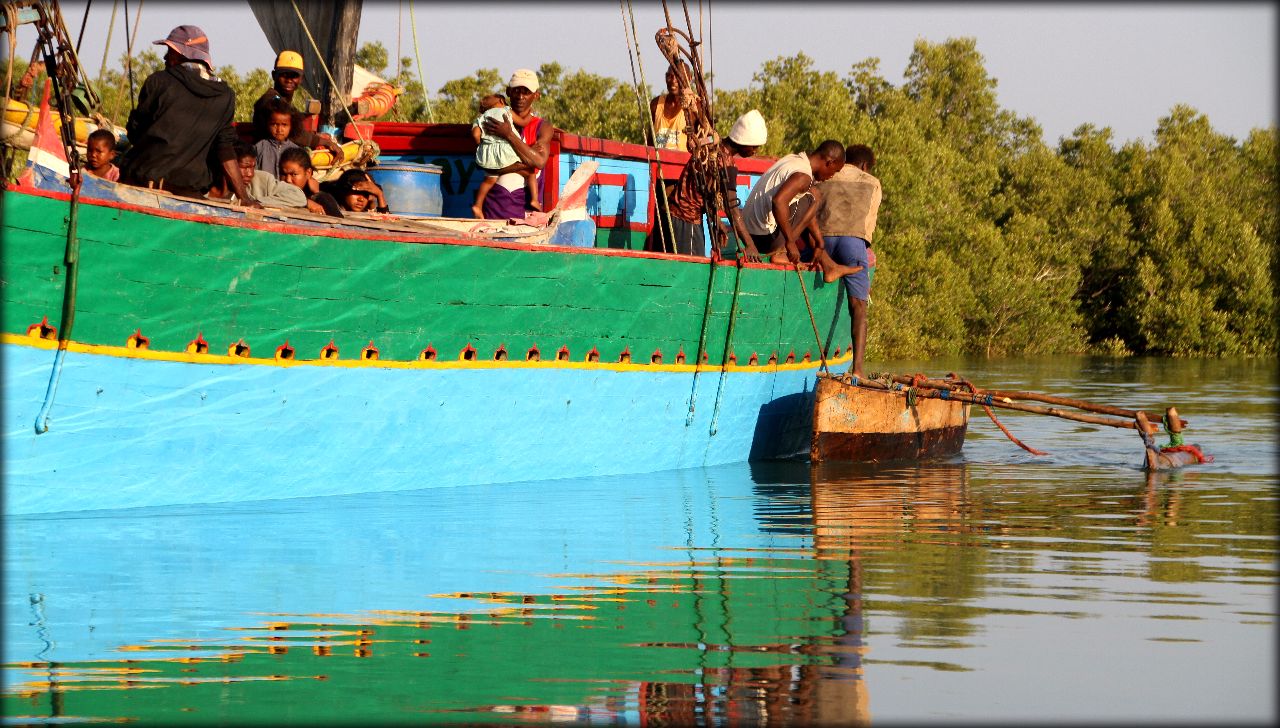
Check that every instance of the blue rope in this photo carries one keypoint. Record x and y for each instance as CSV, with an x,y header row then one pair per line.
x,y
944,393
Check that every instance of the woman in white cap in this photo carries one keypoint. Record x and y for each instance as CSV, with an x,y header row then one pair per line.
x,y
687,237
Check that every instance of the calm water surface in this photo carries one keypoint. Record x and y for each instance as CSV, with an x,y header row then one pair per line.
x,y
993,586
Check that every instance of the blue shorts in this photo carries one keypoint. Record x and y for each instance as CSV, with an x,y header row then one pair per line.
x,y
850,250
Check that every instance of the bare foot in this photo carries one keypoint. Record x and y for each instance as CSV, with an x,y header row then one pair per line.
x,y
535,205
780,258
477,212
838,272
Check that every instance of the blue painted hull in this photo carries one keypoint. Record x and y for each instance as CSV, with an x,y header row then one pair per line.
x,y
134,431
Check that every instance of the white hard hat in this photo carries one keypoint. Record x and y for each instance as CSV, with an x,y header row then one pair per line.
x,y
750,130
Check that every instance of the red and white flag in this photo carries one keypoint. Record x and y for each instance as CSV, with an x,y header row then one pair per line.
x,y
46,149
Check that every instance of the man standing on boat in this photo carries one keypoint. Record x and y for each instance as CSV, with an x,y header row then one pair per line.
x,y
286,77
529,135
847,221
748,134
181,127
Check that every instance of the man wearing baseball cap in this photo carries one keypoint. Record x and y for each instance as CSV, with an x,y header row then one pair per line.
x,y
529,135
286,77
181,129
687,236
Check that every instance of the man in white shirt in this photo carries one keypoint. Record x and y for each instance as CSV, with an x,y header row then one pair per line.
x,y
784,204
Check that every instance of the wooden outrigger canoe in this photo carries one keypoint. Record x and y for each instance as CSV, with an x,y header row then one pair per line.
x,y
892,417
859,424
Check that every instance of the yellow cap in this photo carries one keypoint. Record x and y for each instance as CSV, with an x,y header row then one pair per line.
x,y
289,61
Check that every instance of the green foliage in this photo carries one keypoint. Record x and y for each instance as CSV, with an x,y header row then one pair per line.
x,y
247,87
581,100
459,99
1203,280
989,241
114,86
374,58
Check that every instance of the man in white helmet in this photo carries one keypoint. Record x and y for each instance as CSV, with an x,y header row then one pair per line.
x,y
687,236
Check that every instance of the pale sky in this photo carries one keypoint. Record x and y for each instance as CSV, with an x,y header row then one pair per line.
x,y
1117,65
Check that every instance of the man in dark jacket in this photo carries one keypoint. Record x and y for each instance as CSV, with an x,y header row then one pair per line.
x,y
181,131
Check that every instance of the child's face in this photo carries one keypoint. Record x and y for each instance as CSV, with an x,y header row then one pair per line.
x,y
357,201
490,102
248,165
279,126
100,153
295,174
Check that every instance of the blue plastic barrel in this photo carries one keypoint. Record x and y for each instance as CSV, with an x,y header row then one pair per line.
x,y
410,188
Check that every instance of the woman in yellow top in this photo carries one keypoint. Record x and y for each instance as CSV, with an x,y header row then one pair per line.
x,y
668,114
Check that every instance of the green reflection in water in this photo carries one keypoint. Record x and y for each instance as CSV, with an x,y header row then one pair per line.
x,y
723,637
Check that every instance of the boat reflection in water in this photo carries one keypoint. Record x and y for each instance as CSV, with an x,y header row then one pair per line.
x,y
770,594
718,629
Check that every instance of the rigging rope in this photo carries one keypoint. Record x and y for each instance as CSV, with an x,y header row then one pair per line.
x,y
426,97
1009,435
130,39
106,49
816,336
11,30
658,186
60,74
333,85
84,22
986,407
728,348
711,48
128,50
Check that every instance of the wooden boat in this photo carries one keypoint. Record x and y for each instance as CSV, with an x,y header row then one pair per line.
x,y
222,354
894,417
859,424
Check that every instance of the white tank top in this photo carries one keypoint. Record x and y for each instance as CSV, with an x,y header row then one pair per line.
x,y
757,211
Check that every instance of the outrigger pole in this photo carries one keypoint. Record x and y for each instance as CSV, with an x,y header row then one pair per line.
x,y
1175,454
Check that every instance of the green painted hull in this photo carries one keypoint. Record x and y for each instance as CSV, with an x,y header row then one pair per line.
x,y
176,277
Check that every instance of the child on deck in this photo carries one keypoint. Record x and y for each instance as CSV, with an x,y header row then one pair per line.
x,y
263,186
356,191
279,126
496,156
296,169
101,148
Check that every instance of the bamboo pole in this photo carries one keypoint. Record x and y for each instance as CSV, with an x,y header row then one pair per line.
x,y
1038,397
933,393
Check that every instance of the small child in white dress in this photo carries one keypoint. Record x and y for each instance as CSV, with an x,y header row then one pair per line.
x,y
496,156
